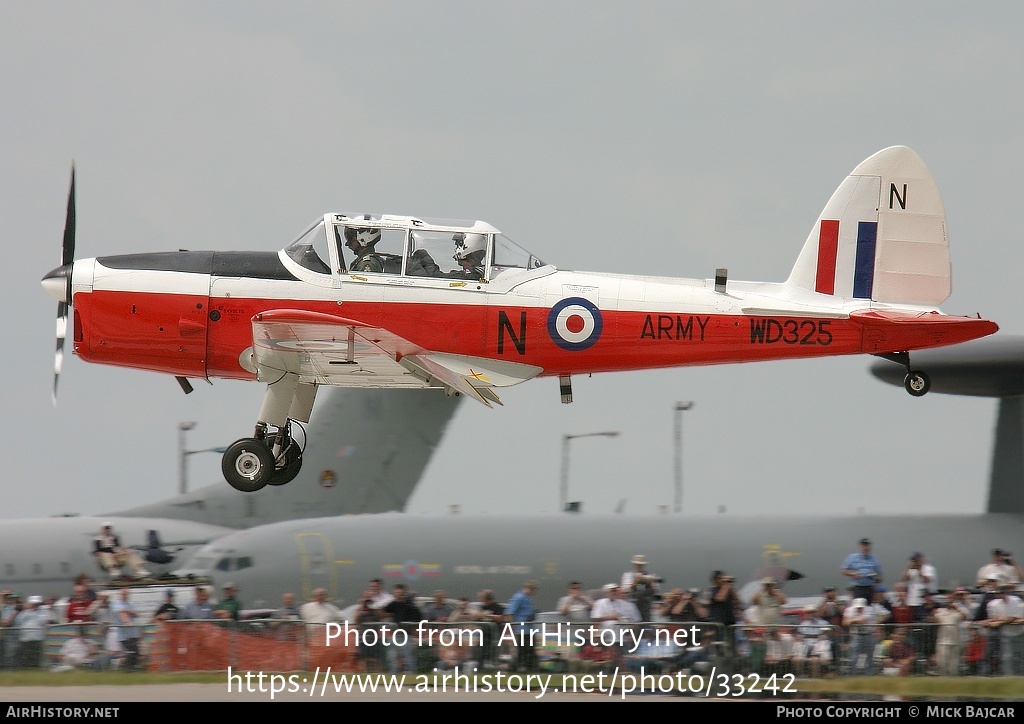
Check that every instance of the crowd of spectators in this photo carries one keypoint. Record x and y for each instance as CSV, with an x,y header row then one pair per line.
x,y
900,626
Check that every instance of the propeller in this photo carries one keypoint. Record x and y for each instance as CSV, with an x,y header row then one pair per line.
x,y
58,283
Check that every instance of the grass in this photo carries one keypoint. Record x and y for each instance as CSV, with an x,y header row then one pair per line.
x,y
1002,687
106,678
932,686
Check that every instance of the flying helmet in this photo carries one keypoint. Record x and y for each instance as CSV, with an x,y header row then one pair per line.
x,y
359,238
470,246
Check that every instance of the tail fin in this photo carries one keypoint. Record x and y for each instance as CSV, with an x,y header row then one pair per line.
x,y
1006,480
882,235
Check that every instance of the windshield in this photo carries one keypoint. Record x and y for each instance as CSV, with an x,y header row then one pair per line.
x,y
310,250
509,255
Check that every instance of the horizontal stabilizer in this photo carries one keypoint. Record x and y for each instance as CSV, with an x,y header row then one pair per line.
x,y
895,331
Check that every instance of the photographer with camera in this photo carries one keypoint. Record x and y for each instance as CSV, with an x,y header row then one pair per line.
x,y
1002,569
681,606
640,586
723,603
769,601
920,578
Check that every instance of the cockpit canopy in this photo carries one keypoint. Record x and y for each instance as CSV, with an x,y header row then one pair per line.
x,y
408,246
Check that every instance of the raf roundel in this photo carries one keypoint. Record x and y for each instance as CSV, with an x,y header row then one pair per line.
x,y
574,324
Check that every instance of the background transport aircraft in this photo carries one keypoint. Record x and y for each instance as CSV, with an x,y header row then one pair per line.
x,y
992,367
463,554
366,451
359,300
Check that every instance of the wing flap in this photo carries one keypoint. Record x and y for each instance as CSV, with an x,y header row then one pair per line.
x,y
427,366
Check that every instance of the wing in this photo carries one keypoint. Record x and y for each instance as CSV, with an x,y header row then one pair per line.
x,y
327,350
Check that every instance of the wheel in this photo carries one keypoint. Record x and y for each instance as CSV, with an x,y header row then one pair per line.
x,y
247,465
288,468
917,383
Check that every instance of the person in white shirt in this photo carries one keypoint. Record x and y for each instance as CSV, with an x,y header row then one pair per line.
x,y
614,609
575,606
920,578
1002,569
317,614
862,622
1006,614
77,652
947,645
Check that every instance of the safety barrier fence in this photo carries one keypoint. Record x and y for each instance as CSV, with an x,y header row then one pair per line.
x,y
956,649
287,645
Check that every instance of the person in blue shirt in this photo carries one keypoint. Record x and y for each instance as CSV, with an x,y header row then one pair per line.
x,y
864,570
128,631
521,610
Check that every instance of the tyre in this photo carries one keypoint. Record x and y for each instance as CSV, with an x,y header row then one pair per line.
x,y
289,468
917,383
247,465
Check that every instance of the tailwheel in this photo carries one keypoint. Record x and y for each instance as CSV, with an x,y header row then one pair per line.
x,y
289,463
247,465
917,383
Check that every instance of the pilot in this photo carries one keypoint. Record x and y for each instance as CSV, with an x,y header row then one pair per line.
x,y
362,241
421,264
470,250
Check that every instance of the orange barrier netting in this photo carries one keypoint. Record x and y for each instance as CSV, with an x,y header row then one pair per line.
x,y
201,646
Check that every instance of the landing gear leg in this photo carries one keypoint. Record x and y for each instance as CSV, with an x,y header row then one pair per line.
x,y
289,462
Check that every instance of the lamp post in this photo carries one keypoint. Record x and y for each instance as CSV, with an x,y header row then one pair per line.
x,y
563,490
680,408
183,427
183,454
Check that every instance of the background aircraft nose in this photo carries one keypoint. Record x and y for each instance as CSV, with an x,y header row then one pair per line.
x,y
56,282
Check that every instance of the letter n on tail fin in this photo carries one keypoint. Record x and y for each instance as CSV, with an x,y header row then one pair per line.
x,y
882,236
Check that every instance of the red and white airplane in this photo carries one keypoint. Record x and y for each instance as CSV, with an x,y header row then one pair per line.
x,y
399,301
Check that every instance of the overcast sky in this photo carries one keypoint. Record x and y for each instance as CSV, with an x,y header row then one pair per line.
x,y
654,138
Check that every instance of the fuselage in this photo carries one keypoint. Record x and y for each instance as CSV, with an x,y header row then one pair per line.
x,y
190,314
463,554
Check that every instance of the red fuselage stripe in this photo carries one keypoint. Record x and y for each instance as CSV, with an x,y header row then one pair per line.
x,y
176,334
828,249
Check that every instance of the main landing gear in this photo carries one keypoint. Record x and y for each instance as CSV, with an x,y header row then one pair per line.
x,y
250,464
917,383
272,456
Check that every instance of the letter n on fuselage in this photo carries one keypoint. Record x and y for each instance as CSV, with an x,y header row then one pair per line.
x,y
505,326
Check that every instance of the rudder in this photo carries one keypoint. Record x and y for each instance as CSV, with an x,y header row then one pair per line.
x,y
882,236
